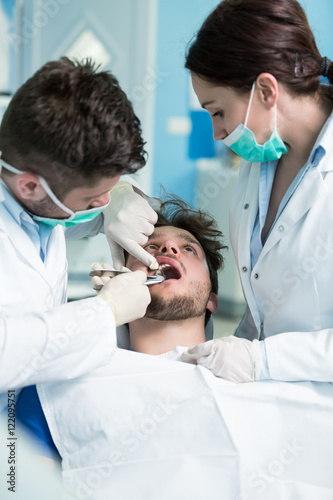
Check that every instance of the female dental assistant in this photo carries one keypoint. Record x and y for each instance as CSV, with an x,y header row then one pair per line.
x,y
256,69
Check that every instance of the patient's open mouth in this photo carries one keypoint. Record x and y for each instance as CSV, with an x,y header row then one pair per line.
x,y
169,272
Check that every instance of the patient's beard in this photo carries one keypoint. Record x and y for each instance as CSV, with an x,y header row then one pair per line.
x,y
180,307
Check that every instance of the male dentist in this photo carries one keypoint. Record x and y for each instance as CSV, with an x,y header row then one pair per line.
x,y
67,136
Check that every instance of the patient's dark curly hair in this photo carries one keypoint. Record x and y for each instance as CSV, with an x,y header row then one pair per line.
x,y
176,212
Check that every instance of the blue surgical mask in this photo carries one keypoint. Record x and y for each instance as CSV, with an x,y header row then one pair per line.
x,y
74,217
243,142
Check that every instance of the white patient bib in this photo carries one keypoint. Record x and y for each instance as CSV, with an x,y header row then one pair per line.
x,y
148,428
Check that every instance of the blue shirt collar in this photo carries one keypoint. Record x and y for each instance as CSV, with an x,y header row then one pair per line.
x,y
323,144
15,209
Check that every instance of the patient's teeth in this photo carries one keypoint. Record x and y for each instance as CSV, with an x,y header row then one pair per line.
x,y
164,265
161,267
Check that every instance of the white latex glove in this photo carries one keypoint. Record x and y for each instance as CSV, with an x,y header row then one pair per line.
x,y
128,221
231,358
103,277
126,295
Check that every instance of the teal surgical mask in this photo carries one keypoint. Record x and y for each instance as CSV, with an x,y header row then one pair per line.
x,y
243,142
74,217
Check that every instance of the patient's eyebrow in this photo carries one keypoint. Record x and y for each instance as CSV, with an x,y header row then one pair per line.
x,y
189,239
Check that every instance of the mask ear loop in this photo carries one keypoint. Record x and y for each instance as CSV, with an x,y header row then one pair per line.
x,y
249,107
250,103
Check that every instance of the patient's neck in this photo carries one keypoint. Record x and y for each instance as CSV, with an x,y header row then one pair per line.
x,y
152,336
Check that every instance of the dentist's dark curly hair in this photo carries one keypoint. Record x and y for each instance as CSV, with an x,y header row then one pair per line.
x,y
73,125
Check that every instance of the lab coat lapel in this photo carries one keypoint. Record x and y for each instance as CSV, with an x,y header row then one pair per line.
x,y
23,244
55,250
249,210
311,189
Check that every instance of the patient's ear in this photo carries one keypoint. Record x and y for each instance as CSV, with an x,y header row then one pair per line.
x,y
212,303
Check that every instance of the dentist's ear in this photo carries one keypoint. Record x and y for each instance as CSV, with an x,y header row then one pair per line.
x,y
29,187
212,303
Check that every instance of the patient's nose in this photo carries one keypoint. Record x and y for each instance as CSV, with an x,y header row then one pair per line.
x,y
169,246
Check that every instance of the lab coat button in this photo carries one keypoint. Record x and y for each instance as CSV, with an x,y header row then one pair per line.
x,y
246,206
244,269
49,302
281,228
256,276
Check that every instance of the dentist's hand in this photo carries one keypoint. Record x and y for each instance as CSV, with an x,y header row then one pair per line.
x,y
102,273
231,358
128,221
126,295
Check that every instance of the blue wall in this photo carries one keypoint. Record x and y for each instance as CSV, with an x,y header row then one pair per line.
x,y
8,7
320,15
178,20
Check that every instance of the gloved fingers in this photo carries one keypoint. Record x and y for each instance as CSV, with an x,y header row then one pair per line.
x,y
234,359
124,268
127,296
127,201
117,254
112,274
153,216
197,360
118,283
98,281
207,348
105,265
140,239
133,248
96,265
188,358
143,228
136,230
206,361
136,276
105,273
140,253
203,349
123,185
143,209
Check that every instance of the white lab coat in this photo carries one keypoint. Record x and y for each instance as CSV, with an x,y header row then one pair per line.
x,y
289,291
40,341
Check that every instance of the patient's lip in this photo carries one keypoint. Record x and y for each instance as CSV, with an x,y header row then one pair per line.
x,y
173,262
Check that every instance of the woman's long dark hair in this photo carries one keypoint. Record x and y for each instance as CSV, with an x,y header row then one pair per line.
x,y
242,38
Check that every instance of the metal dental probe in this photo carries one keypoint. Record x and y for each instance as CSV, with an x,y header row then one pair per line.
x,y
151,280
